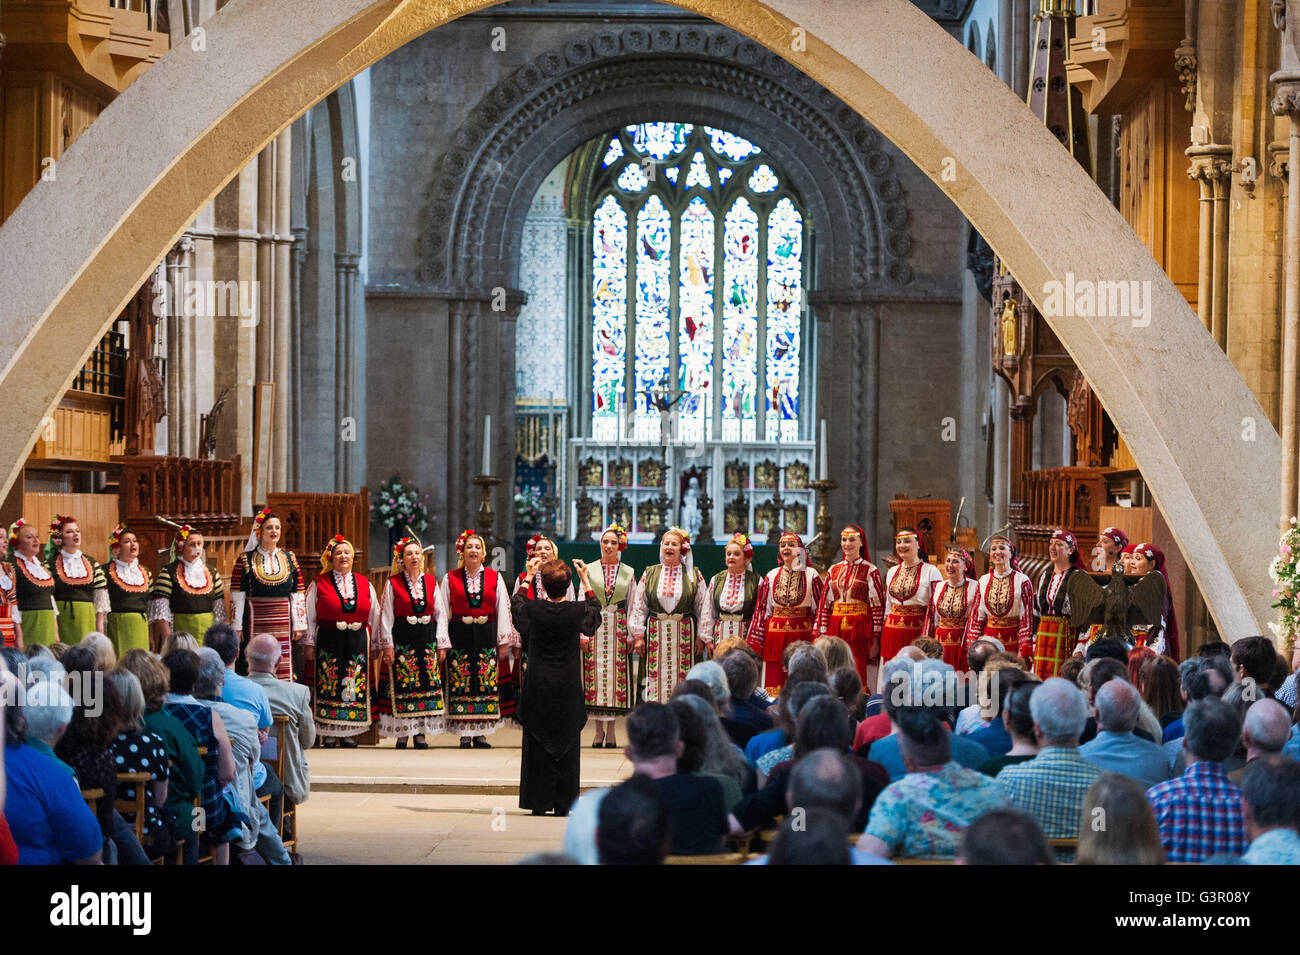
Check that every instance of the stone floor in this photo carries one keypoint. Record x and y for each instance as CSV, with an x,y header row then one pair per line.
x,y
443,805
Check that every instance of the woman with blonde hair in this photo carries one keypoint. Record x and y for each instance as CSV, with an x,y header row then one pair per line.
x,y
410,702
671,617
837,652
105,655
179,640
1118,826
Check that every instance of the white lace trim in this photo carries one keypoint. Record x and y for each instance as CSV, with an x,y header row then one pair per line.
x,y
401,727
74,567
476,728
34,566
193,571
130,573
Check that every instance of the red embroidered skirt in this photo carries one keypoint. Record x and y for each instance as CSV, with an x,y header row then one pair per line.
x,y
902,626
787,625
1053,644
851,622
273,615
951,634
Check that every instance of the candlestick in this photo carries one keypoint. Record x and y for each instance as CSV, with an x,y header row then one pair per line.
x,y
487,444
822,547
485,483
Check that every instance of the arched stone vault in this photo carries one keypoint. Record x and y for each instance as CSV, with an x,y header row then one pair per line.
x,y
78,246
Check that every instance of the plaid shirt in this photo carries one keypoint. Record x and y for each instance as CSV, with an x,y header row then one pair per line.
x,y
1199,814
1050,787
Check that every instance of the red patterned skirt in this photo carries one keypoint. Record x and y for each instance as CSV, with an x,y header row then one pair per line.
x,y
787,625
902,626
273,615
1053,644
851,622
951,634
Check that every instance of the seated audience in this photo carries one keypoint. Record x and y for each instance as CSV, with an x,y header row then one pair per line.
x,y
633,824
580,831
846,686
746,718
888,751
1270,806
179,640
1004,837
877,726
1106,648
1019,723
1136,658
1199,677
837,652
102,647
1071,669
696,808
1265,730
818,837
1158,683
1051,786
1199,813
804,666
923,813
1255,659
185,775
136,750
995,738
706,751
799,698
1214,648
1117,825
292,701
977,657
931,647
1116,749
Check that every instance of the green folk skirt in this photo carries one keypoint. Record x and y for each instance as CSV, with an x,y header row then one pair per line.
x,y
76,619
40,626
195,624
128,631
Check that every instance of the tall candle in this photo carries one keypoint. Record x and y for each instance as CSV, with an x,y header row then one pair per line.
x,y
821,462
487,444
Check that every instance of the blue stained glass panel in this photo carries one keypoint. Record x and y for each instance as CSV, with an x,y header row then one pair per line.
x,y
784,305
699,173
695,331
653,291
730,146
659,140
609,316
632,178
613,153
740,321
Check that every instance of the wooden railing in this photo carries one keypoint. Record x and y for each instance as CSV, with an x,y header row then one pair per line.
x,y
310,520
1067,498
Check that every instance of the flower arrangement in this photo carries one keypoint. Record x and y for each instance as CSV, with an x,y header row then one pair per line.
x,y
1285,571
528,506
398,505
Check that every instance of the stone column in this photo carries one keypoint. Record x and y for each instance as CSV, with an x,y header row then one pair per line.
x,y
179,331
1211,168
1286,101
347,356
1022,454
285,343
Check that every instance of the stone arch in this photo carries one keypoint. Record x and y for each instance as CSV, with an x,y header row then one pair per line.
x,y
484,182
75,251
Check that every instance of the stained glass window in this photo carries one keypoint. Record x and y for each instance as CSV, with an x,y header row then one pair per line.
x,y
697,266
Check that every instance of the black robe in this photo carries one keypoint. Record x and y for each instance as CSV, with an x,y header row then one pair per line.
x,y
552,706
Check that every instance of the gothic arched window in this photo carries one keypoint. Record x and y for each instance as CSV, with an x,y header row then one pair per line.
x,y
707,237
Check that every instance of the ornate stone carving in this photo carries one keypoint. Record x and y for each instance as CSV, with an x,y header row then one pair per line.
x,y
1185,64
636,57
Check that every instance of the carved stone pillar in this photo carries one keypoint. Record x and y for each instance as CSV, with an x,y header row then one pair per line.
x,y
1286,101
1211,169
179,347
348,354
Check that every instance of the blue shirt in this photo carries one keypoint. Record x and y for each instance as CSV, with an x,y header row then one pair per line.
x,y
965,752
994,738
1123,753
1275,847
1292,747
1173,731
764,743
242,692
50,822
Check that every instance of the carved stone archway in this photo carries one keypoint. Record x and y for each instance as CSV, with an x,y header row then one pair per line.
x,y
77,248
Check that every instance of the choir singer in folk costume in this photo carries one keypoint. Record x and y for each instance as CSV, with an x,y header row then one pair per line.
x,y
671,621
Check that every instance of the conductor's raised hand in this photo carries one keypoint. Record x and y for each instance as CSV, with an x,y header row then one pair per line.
x,y
581,568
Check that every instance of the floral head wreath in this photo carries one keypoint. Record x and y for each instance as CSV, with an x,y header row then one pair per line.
x,y
14,528
327,555
55,540
1070,541
399,552
687,560
531,544
619,533
746,548
462,540
255,535
115,538
178,541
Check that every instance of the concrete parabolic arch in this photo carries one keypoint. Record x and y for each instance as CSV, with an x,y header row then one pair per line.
x,y
79,246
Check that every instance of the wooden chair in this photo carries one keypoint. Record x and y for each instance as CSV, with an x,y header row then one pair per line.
x,y
136,808
1068,842
721,858
92,797
289,811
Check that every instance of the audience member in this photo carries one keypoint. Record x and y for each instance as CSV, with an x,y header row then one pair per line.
x,y
818,837
747,718
1214,648
1106,648
800,696
1265,730
846,686
707,752
923,813
1158,682
47,708
1004,837
1255,658
136,750
918,685
877,726
1199,813
1270,806
1117,826
241,692
179,640
1019,722
805,666
102,647
836,651
293,702
931,647
1071,669
696,809
1051,786
1198,678
1116,749
995,738
633,823
1136,658
978,716
580,831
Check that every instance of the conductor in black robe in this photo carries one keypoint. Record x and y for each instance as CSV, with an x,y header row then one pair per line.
x,y
552,707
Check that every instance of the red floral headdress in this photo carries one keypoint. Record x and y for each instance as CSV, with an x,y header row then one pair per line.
x,y
619,533
13,531
327,555
746,547
115,538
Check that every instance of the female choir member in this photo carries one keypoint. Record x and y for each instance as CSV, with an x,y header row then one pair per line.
x,y
268,581
671,620
909,585
853,603
1162,637
607,657
187,596
35,613
734,591
1054,638
1004,602
951,606
1111,541
128,587
343,632
539,550
80,591
551,710
474,621
787,601
9,635
410,702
